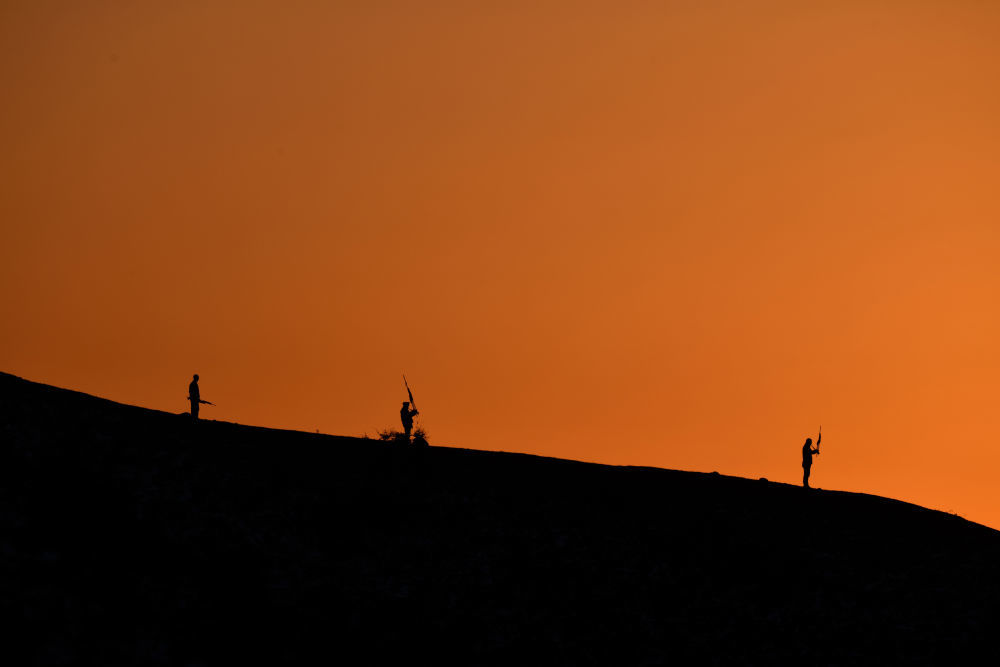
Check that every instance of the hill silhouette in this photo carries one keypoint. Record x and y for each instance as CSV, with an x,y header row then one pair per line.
x,y
131,537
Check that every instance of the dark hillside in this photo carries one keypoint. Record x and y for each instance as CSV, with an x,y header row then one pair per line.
x,y
131,536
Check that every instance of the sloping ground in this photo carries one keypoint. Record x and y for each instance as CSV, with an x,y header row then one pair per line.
x,y
131,536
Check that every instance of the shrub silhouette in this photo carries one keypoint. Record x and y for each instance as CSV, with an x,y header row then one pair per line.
x,y
392,435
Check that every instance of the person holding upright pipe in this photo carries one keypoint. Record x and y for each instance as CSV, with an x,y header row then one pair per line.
x,y
807,457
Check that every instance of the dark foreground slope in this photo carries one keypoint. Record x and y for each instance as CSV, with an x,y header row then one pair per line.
x,y
130,536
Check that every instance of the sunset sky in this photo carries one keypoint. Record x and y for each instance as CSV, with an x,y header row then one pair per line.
x,y
680,234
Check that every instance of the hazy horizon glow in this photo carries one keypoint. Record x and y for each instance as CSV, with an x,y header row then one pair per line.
x,y
677,234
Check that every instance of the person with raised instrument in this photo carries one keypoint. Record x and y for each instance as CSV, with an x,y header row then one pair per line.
x,y
407,415
807,457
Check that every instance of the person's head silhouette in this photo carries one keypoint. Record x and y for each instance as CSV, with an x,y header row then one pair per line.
x,y
195,377
406,404
809,442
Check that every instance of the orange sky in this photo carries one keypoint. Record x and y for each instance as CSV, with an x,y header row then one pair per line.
x,y
679,234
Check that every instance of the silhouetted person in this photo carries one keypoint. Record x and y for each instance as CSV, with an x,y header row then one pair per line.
x,y
407,415
194,395
807,458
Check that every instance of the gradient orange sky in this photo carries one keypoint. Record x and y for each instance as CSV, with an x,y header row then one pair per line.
x,y
678,234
